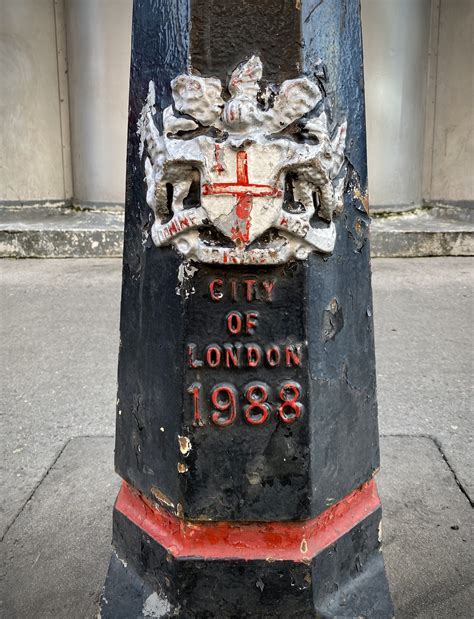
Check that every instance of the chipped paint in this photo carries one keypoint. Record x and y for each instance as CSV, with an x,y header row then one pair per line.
x,y
156,606
186,272
184,445
182,468
160,497
333,320
246,167
362,197
122,561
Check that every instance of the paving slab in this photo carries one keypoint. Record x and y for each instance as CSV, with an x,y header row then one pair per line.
x,y
56,553
59,328
424,346
427,532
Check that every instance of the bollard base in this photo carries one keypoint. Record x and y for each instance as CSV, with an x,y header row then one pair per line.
x,y
156,570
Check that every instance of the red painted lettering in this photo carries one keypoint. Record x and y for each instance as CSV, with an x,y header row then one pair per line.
x,y
216,295
192,361
232,355
293,355
273,356
213,356
250,285
233,287
257,411
268,285
250,321
234,322
224,399
254,355
290,409
195,391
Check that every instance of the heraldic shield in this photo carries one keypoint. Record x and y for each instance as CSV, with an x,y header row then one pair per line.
x,y
249,175
254,177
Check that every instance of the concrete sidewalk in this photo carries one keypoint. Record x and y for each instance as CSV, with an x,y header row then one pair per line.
x,y
60,336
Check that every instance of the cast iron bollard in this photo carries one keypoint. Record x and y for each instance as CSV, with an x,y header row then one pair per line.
x,y
246,417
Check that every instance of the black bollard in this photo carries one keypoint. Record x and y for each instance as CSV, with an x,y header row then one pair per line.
x,y
247,431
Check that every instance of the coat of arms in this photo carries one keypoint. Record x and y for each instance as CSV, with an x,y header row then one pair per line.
x,y
246,176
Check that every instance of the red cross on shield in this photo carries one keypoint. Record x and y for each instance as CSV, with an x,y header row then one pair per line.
x,y
242,205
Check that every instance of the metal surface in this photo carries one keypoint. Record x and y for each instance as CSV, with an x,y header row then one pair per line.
x,y
246,392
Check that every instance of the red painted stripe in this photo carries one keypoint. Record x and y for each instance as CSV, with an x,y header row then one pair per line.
x,y
242,170
233,189
295,541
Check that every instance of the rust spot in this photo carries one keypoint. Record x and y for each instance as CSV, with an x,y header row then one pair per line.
x,y
363,198
184,445
160,497
304,546
359,227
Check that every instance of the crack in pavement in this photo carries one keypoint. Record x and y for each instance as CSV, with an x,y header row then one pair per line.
x,y
34,489
443,456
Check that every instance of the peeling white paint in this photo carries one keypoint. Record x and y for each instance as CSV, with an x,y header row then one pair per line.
x,y
242,173
156,606
186,272
124,563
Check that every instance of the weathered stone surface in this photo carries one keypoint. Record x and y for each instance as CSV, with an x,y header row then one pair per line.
x,y
55,232
437,231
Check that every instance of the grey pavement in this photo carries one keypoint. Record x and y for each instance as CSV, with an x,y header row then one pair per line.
x,y
59,330
424,317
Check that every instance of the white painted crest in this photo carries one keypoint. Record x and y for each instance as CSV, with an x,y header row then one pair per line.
x,y
219,173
